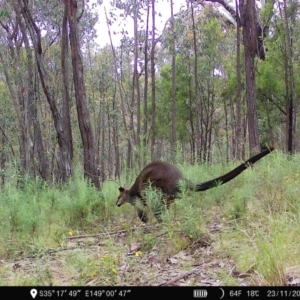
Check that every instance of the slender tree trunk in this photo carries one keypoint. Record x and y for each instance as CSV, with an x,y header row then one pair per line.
x,y
109,152
210,124
87,135
153,106
145,132
65,82
38,146
131,103
116,138
239,141
173,133
290,86
245,121
232,149
191,117
226,131
198,107
135,93
129,137
103,152
289,108
136,83
268,111
2,157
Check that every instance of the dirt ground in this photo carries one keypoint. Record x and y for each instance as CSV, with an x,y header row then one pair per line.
x,y
196,266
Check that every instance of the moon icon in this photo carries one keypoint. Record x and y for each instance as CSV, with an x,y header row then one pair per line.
x,y
223,293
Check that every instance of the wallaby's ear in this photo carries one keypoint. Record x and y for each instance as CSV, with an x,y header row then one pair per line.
x,y
121,189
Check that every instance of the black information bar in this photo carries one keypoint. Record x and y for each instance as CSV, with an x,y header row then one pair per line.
x,y
84,292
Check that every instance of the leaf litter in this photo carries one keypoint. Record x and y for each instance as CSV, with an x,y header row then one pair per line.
x,y
196,266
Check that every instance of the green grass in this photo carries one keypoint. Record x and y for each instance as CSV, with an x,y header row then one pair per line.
x,y
52,230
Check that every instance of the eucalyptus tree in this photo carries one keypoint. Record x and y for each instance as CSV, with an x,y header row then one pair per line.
x,y
253,40
42,32
90,158
101,81
8,131
174,111
278,85
146,77
131,11
291,106
201,45
153,90
19,70
198,104
35,22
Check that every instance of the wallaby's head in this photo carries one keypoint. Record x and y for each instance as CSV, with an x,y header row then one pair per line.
x,y
123,197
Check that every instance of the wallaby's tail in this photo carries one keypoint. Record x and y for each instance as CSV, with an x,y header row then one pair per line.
x,y
232,174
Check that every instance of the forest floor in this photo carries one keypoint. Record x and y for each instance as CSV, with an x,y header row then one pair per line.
x,y
197,265
117,258
244,233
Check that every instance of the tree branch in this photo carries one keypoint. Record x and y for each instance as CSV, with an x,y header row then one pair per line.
x,y
230,9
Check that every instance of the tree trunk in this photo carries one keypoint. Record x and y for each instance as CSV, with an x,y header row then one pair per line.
x,y
129,137
2,159
226,131
210,124
290,86
253,36
153,105
191,118
136,84
247,13
232,149
4,141
103,156
238,130
116,139
65,80
145,132
87,135
65,162
198,107
25,142
17,89
173,133
109,152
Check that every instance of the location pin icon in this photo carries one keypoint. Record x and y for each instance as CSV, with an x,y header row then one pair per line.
x,y
33,293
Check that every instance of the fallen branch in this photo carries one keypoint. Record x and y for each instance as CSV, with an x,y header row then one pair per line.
x,y
108,233
187,274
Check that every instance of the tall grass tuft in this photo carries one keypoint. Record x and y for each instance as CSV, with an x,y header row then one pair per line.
x,y
39,215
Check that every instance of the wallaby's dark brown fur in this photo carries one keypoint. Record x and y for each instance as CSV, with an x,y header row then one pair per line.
x,y
165,176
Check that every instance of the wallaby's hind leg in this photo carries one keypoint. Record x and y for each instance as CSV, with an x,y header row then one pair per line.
x,y
157,215
162,208
142,215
